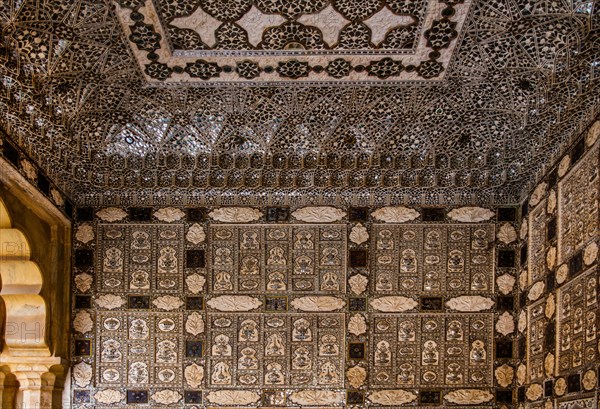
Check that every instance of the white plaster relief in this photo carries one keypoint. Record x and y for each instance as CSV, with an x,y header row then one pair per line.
x,y
85,233
193,374
522,322
319,214
110,301
590,254
589,380
505,324
233,303
29,170
315,303
534,392
592,135
168,302
317,397
194,324
470,303
195,283
469,396
538,194
552,200
470,214
357,325
524,229
83,282
356,376
111,214
549,364
232,397
507,233
536,291
236,214
393,304
358,283
392,397
504,375
521,374
83,322
109,396
169,214
166,397
82,373
550,306
506,283
563,166
196,234
395,214
359,234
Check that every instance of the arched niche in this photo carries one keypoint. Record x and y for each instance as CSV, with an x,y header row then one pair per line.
x,y
35,251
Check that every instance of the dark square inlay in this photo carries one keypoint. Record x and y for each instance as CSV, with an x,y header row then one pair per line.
x,y
84,258
430,398
576,264
80,396
69,209
357,304
194,303
358,258
138,302
574,383
522,346
43,184
83,301
523,299
550,281
277,214
194,349
433,214
355,397
553,177
524,209
503,396
356,350
504,349
192,397
83,347
195,214
137,396
431,304
358,214
506,303
578,151
551,229
11,153
506,258
276,304
140,214
548,388
507,214
550,338
523,255
521,394
195,259
85,214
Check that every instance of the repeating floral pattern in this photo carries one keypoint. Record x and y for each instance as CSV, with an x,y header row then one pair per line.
x,y
89,92
558,336
289,313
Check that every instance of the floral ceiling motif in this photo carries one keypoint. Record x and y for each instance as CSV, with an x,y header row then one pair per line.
x,y
98,95
317,40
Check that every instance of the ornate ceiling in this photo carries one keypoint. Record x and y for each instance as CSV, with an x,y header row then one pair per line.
x,y
427,101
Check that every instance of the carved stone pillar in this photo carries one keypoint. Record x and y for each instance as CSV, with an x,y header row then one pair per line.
x,y
32,383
